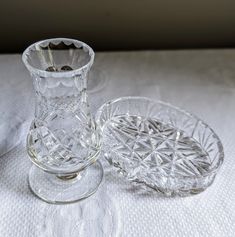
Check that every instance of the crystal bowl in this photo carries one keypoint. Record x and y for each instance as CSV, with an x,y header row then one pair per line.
x,y
158,146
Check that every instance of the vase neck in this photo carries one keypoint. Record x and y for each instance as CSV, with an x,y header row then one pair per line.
x,y
53,94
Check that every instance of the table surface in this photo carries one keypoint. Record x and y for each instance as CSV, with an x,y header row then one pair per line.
x,y
201,81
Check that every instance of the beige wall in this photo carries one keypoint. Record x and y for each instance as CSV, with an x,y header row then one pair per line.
x,y
119,24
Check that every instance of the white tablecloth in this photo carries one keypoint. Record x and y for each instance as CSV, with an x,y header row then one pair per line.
x,y
201,81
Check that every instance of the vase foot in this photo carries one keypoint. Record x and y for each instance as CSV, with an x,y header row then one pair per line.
x,y
54,189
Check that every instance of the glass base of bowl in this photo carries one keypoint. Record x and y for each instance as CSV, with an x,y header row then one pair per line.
x,y
60,189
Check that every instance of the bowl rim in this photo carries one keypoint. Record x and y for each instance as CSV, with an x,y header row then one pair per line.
x,y
218,141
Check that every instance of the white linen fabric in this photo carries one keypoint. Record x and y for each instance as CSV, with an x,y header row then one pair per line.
x,y
201,81
15,95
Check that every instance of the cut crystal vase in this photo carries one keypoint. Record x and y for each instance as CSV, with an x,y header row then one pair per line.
x,y
63,142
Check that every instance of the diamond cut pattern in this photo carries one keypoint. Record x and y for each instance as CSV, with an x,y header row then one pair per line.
x,y
63,134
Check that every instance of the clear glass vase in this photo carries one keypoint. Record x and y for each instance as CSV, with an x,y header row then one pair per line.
x,y
63,142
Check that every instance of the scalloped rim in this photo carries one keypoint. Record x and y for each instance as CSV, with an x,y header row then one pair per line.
x,y
219,143
44,73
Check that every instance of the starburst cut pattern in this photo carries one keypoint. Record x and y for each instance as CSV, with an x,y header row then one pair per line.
x,y
150,151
